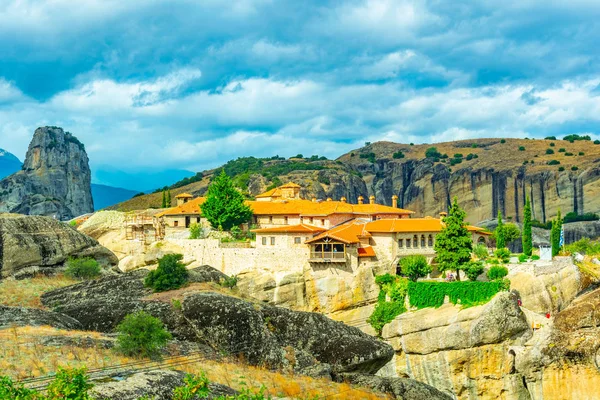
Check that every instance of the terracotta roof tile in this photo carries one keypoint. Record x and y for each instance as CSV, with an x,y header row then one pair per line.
x,y
310,208
191,207
348,232
366,251
301,228
183,196
406,225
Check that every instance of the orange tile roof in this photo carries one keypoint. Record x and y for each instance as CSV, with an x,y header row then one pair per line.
x,y
291,185
190,207
348,232
183,196
310,208
426,224
270,193
366,251
301,228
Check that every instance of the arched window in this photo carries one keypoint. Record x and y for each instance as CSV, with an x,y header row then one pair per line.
x,y
415,241
422,240
430,241
481,240
408,243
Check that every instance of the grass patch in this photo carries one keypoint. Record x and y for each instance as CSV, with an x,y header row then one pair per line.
x,y
468,294
27,292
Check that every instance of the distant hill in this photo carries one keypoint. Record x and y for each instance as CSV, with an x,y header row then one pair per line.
x,y
105,196
486,175
9,163
146,180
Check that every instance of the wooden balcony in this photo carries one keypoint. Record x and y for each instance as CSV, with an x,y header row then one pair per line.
x,y
327,257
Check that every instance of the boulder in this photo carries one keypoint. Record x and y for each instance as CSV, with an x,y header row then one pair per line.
x,y
21,316
34,244
400,388
55,179
578,257
158,385
595,261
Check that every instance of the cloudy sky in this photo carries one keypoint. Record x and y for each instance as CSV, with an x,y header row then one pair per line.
x,y
190,84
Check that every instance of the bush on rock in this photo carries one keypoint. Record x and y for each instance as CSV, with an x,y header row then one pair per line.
x,y
82,268
141,334
170,274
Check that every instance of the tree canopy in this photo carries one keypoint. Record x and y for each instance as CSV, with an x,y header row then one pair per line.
x,y
453,245
224,207
499,233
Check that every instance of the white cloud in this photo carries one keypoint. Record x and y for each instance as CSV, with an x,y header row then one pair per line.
x,y
8,92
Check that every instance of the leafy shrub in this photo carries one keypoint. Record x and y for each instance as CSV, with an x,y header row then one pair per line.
x,y
571,138
141,334
542,225
432,294
70,384
581,153
552,144
481,251
494,261
574,217
521,148
432,152
473,269
562,150
15,390
195,387
550,138
553,162
82,268
522,258
73,223
415,267
502,140
525,162
497,272
385,313
502,253
561,169
195,231
535,257
411,144
596,141
398,154
229,282
458,155
549,151
568,154
369,156
170,274
584,246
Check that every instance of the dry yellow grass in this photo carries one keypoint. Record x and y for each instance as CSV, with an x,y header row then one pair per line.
x,y
27,292
23,354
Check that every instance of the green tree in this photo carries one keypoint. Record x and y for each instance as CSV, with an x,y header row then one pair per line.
x,y
164,200
511,232
527,237
499,233
141,334
415,267
168,198
473,269
224,207
453,244
170,274
555,234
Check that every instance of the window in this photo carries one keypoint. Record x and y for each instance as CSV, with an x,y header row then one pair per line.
x,y
323,222
264,241
271,219
301,220
311,220
272,241
373,218
285,220
401,243
415,241
422,240
408,243
175,223
297,240
430,241
198,219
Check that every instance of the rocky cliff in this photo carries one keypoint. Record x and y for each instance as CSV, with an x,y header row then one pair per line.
x,y
55,179
487,176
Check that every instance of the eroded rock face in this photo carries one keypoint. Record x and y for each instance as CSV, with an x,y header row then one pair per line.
x,y
400,388
158,385
55,179
20,316
32,244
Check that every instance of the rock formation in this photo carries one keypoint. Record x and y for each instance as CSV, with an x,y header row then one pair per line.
x,y
55,179
35,244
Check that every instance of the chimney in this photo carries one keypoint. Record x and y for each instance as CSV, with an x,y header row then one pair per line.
x,y
343,199
360,199
395,201
314,199
329,199
371,199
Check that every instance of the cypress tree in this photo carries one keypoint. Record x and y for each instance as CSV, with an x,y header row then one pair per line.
x,y
500,242
169,198
453,245
527,238
224,207
555,234
164,200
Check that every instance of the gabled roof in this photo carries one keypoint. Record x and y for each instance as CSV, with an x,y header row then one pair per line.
x,y
301,228
270,193
184,196
348,232
291,185
191,207
309,208
408,225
